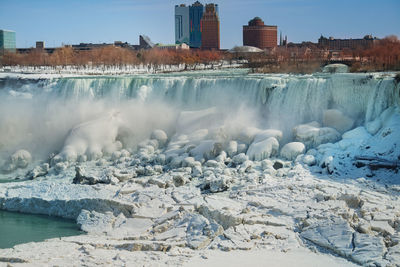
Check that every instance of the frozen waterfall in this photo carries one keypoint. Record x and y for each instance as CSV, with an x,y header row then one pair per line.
x,y
38,114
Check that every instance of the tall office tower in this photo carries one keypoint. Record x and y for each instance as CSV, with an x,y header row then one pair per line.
x,y
195,13
7,41
182,33
259,35
210,28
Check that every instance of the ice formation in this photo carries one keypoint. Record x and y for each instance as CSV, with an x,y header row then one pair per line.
x,y
183,164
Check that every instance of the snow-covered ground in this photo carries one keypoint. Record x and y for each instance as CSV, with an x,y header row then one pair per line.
x,y
206,168
62,71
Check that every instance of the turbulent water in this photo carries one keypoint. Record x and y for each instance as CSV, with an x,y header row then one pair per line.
x,y
38,114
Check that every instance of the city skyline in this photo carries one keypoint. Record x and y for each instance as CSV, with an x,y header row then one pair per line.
x,y
71,22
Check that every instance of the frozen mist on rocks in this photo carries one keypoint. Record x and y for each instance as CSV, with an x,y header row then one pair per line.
x,y
194,162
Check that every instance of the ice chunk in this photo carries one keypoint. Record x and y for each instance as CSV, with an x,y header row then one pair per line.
x,y
263,149
240,158
291,150
312,135
160,136
309,160
334,235
207,149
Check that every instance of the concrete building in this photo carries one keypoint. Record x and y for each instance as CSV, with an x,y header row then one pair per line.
x,y
182,33
40,45
145,42
7,41
340,44
195,14
210,38
182,46
259,35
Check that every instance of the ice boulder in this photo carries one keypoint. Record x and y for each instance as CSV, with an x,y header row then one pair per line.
x,y
240,158
291,150
265,134
20,159
336,119
312,135
207,149
263,149
309,160
160,136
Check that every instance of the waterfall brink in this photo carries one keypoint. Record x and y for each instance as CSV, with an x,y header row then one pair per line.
x,y
38,114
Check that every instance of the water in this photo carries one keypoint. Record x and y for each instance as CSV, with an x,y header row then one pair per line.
x,y
17,228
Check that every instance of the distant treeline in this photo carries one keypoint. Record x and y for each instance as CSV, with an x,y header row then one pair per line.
x,y
109,55
303,58
308,58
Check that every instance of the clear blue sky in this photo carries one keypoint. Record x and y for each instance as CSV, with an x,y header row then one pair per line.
x,y
75,21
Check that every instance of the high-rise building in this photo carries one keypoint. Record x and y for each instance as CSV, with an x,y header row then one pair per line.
x,y
182,33
7,41
195,14
259,35
210,28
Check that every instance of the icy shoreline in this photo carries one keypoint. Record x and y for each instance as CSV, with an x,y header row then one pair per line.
x,y
323,184
281,214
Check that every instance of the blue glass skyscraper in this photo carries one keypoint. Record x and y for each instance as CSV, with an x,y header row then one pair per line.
x,y
182,31
195,13
7,41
